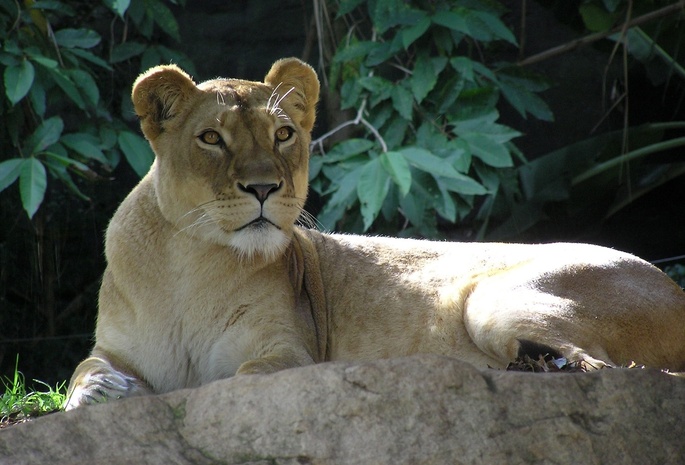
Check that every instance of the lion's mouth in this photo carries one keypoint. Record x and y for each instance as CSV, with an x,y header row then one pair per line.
x,y
257,224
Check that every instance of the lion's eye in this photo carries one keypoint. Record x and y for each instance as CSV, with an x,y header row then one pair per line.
x,y
283,134
210,137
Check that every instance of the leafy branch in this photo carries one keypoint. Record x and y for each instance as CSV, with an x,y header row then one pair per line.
x,y
55,123
359,119
430,144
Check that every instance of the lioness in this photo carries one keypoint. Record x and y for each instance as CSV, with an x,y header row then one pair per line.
x,y
209,277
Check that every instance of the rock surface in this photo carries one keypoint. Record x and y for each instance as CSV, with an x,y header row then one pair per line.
x,y
418,410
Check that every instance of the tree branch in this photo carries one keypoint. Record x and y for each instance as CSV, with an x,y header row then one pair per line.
x,y
567,47
359,119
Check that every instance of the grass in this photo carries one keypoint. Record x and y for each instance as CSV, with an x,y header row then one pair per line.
x,y
18,404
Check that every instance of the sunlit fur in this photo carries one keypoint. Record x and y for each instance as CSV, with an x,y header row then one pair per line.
x,y
212,202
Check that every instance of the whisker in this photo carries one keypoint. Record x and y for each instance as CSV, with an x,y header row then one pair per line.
x,y
220,99
204,219
273,106
274,93
278,102
309,221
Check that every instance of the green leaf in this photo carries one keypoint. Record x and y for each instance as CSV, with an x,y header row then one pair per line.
x,y
86,145
315,165
44,136
58,167
8,59
137,152
485,124
517,91
455,20
386,14
42,60
9,172
480,25
344,188
67,85
490,151
430,163
611,5
395,132
525,101
383,51
38,98
424,77
398,168
88,56
491,25
77,38
53,158
596,19
463,185
372,189
412,33
11,47
163,17
122,52
347,149
87,85
484,71
32,185
402,101
352,51
475,102
18,80
447,208
375,84
107,137
118,6
448,92
424,194
346,6
464,66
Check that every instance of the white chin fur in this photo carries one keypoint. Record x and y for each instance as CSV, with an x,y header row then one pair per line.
x,y
267,242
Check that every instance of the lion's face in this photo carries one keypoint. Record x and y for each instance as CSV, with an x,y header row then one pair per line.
x,y
231,155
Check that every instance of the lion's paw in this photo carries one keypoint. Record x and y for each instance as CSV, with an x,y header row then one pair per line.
x,y
100,387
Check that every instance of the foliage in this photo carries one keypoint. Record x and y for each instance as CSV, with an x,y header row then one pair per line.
x,y
426,83
594,178
59,76
677,273
588,180
17,403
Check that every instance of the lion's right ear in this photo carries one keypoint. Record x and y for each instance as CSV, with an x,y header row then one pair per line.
x,y
158,95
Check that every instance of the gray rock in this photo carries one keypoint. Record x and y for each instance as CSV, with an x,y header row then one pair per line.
x,y
418,410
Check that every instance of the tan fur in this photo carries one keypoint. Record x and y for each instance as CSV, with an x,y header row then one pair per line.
x,y
208,277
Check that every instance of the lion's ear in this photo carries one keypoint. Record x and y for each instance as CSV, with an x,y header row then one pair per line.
x,y
158,95
298,75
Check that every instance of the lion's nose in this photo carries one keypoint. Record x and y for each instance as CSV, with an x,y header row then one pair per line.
x,y
261,191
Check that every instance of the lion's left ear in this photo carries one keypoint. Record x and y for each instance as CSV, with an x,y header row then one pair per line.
x,y
296,74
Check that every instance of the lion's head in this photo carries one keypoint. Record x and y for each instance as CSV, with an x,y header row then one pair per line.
x,y
232,156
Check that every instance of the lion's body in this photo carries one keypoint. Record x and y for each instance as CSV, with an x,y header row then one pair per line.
x,y
208,277
475,301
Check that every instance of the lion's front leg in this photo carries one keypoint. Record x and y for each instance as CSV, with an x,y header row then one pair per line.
x,y
96,380
276,360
